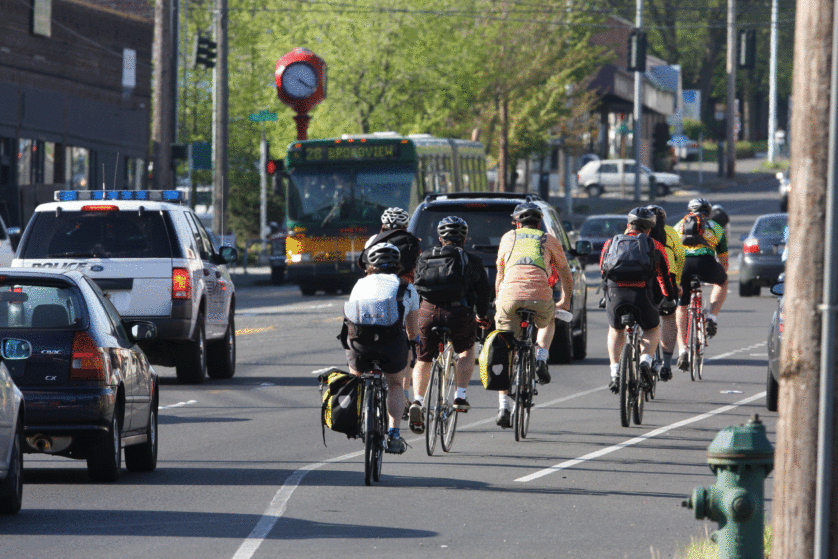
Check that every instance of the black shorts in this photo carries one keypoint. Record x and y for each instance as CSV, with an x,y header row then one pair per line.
x,y
707,268
459,319
620,300
392,357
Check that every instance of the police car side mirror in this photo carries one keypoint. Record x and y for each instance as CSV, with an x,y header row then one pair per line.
x,y
583,248
14,236
778,289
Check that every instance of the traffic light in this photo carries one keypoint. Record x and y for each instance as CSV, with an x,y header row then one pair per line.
x,y
636,51
205,52
747,49
274,165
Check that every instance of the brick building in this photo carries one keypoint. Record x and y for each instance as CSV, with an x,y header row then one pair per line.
x,y
75,98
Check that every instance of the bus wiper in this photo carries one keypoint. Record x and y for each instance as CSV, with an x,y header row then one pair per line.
x,y
335,211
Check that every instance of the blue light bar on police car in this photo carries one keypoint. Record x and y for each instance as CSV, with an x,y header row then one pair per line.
x,y
145,195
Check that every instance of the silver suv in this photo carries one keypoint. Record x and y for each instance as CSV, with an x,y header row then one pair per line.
x,y
152,257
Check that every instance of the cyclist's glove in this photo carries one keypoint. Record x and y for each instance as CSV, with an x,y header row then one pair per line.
x,y
483,323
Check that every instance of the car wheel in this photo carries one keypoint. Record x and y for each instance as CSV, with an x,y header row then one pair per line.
x,y
143,457
277,276
661,190
222,354
104,460
745,289
594,190
192,364
580,340
772,392
308,290
784,205
561,350
11,488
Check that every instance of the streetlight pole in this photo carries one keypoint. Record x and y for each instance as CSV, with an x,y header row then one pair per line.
x,y
730,148
638,111
772,86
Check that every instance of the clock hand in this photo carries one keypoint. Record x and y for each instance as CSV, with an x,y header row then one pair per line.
x,y
305,83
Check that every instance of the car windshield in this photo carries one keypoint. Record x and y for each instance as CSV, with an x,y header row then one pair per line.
x,y
486,225
603,227
99,234
773,226
36,304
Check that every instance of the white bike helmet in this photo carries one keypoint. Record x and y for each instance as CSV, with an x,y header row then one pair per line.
x,y
395,217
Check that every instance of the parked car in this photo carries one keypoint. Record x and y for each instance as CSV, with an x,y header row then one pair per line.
x,y
785,187
488,215
597,229
760,262
89,390
597,177
11,427
775,337
151,255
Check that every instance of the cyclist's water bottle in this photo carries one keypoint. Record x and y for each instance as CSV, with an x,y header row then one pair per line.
x,y
563,315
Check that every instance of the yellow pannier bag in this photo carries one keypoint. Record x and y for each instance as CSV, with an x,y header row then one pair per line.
x,y
496,360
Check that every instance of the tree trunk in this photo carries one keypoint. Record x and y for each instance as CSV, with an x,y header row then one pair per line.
x,y
503,146
162,133
797,429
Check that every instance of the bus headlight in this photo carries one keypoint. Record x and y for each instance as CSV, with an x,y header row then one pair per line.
x,y
302,257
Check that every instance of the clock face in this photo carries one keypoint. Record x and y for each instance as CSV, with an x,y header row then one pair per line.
x,y
299,80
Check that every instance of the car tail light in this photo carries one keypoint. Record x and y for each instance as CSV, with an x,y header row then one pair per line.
x,y
87,363
751,246
181,286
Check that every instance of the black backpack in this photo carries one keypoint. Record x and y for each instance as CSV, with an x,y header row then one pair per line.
x,y
406,242
693,234
629,258
441,274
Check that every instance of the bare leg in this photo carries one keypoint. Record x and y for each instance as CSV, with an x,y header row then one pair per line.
x,y
669,334
545,335
717,298
421,377
395,397
465,368
649,341
616,341
681,317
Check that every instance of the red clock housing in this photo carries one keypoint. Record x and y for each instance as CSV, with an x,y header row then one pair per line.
x,y
301,105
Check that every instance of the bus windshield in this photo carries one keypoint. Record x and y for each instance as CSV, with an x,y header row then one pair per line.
x,y
337,197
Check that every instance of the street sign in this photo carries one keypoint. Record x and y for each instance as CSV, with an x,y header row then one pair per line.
x,y
262,116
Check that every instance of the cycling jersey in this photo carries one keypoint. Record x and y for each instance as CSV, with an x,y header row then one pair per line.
x,y
675,253
714,235
526,249
528,282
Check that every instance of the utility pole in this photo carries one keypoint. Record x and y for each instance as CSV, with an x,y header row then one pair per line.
x,y
772,86
162,131
638,111
220,186
730,148
804,506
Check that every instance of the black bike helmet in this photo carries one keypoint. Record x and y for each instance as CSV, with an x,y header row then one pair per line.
x,y
699,205
452,228
719,215
527,213
642,216
383,256
660,213
395,217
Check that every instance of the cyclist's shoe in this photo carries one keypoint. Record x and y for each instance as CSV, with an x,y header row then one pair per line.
x,y
416,424
684,362
646,374
504,418
461,404
396,445
614,385
542,372
710,326
665,373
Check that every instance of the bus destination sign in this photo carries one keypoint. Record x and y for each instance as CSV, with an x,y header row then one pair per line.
x,y
351,152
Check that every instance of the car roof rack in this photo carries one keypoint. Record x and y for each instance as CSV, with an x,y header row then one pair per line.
x,y
497,195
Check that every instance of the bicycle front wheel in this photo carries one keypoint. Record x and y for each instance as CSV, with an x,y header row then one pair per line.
x,y
626,366
448,419
370,436
432,407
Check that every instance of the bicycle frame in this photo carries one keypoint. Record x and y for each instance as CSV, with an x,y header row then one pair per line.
x,y
440,416
373,422
696,333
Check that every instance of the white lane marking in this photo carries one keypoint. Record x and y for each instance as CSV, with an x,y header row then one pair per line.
x,y
735,351
284,309
179,405
635,440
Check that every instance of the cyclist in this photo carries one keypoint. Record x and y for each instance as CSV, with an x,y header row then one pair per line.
x,y
704,241
530,262
671,241
451,282
381,290
633,288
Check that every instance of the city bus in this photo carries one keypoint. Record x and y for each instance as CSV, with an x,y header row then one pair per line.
x,y
337,189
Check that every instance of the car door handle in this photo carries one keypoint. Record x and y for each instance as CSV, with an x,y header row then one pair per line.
x,y
206,272
217,274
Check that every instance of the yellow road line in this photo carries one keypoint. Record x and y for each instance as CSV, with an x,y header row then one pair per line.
x,y
244,331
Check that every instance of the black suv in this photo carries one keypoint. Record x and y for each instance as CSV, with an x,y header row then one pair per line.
x,y
488,215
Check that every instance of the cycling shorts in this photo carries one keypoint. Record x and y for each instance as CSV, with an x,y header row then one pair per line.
x,y
506,317
618,300
456,317
391,356
707,268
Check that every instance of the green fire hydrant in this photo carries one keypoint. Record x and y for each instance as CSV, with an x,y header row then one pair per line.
x,y
740,457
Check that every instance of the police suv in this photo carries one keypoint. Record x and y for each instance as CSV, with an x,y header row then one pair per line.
x,y
150,254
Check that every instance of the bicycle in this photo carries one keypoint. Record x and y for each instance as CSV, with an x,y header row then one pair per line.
x,y
633,389
696,329
440,415
657,363
373,421
523,379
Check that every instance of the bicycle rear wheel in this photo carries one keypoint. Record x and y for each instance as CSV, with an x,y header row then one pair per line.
x,y
432,408
638,394
702,337
448,420
693,341
527,393
379,438
626,364
518,385
370,437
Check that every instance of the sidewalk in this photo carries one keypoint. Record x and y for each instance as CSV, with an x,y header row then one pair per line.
x,y
250,276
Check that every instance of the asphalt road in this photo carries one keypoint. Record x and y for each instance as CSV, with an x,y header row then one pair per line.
x,y
243,471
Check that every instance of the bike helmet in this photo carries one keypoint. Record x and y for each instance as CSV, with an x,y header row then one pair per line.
x,y
660,213
699,205
719,215
452,228
383,256
395,217
642,216
527,213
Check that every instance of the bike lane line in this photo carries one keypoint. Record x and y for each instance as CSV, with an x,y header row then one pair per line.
x,y
659,431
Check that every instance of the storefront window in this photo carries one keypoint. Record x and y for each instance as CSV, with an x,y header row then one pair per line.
x,y
78,168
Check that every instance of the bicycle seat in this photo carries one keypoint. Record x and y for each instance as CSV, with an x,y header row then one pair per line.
x,y
525,313
695,282
627,313
441,330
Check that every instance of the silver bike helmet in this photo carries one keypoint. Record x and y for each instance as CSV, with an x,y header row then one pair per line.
x,y
395,217
452,228
642,216
383,256
699,205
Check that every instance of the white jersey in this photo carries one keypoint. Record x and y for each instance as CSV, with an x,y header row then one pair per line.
x,y
373,300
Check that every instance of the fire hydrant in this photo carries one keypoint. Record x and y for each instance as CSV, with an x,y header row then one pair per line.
x,y
740,457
